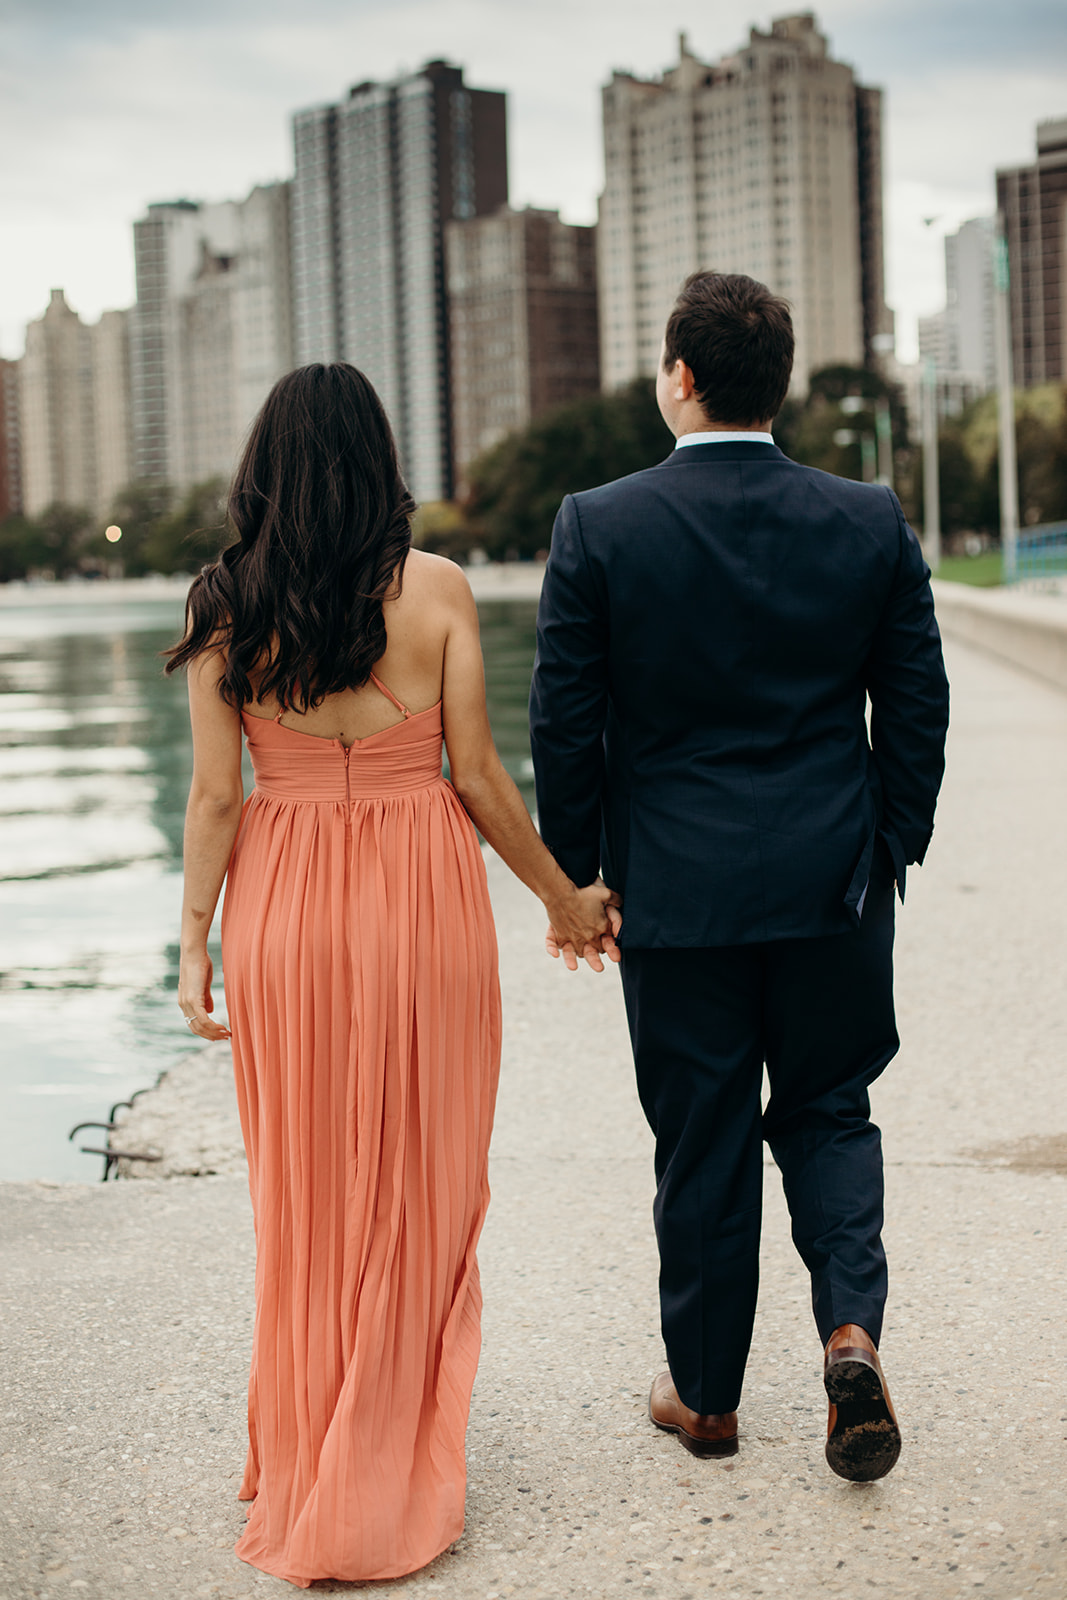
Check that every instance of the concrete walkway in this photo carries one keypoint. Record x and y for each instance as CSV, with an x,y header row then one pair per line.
x,y
126,1314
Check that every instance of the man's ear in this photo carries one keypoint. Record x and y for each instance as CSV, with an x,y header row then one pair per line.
x,y
682,380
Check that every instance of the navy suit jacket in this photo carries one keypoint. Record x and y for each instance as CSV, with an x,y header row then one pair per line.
x,y
709,633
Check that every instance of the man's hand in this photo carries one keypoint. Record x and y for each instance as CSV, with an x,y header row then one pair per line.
x,y
592,949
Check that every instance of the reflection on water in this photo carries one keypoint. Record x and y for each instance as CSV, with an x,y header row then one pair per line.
x,y
95,758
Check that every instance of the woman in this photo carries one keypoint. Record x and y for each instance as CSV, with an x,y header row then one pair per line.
x,y
360,970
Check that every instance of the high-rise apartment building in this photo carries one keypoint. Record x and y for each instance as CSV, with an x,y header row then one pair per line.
x,y
56,410
10,441
768,162
211,330
969,300
959,339
523,306
1033,203
74,410
934,342
377,176
112,423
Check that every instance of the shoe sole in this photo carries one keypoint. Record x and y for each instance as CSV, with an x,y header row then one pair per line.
x,y
704,1448
865,1443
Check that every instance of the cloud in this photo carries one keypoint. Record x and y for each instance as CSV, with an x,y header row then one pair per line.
x,y
914,40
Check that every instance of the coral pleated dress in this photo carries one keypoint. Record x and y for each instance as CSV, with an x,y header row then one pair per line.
x,y
361,983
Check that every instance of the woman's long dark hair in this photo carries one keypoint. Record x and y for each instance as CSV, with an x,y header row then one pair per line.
x,y
323,524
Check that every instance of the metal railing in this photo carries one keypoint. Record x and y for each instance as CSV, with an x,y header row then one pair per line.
x,y
111,1155
1041,553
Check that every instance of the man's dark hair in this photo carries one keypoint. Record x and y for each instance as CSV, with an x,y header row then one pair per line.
x,y
736,338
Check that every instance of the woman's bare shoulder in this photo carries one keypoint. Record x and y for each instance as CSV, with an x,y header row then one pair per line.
x,y
435,580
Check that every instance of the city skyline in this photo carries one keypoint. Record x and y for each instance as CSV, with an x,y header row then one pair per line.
x,y
115,111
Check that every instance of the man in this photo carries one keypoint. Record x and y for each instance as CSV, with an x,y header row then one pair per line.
x,y
709,633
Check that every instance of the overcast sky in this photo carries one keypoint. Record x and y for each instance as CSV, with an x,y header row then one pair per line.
x,y
108,104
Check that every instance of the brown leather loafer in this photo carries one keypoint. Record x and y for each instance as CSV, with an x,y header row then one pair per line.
x,y
714,1435
862,1436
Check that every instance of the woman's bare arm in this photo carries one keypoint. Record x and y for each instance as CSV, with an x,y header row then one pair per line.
x,y
578,915
211,821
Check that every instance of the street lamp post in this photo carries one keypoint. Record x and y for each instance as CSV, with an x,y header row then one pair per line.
x,y
883,432
1009,480
868,457
931,474
870,443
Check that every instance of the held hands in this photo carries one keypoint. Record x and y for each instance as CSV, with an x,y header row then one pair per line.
x,y
584,922
194,996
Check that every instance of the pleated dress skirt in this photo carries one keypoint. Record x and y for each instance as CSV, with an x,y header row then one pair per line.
x,y
361,983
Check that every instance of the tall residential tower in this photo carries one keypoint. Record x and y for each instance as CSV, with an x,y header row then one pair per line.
x,y
522,292
376,179
211,330
1033,202
74,410
959,339
768,162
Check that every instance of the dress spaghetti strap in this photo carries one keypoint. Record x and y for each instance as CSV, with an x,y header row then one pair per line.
x,y
389,695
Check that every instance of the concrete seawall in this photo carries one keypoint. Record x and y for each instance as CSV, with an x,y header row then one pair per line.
x,y
1028,630
492,580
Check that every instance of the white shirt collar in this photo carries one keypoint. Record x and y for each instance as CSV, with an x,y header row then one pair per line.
x,y
746,437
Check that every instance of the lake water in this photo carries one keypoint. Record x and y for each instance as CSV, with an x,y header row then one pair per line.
x,y
95,758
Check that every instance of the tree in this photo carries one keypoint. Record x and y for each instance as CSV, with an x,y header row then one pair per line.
x,y
1057,486
516,487
136,510
1041,469
22,548
193,532
961,484
805,428
62,534
969,461
161,533
441,527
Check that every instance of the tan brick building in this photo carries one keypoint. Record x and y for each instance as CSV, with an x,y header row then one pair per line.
x,y
767,162
74,410
211,331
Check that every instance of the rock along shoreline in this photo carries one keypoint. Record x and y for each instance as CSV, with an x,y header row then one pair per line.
x,y
188,1122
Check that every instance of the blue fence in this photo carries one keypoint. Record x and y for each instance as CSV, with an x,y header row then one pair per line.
x,y
1041,552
